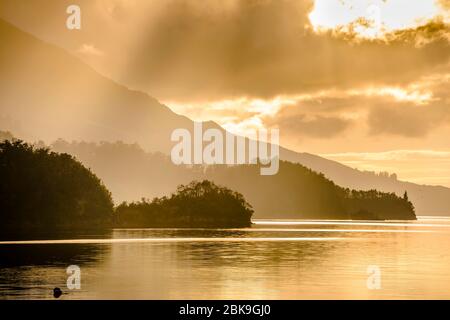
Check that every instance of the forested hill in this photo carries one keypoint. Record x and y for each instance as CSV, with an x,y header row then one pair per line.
x,y
295,192
43,189
298,192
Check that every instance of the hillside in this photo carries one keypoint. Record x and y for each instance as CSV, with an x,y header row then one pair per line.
x,y
46,93
295,192
428,200
45,189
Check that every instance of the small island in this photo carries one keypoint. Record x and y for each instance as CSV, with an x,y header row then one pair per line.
x,y
198,205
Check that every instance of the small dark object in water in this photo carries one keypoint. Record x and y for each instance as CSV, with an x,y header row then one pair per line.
x,y
57,293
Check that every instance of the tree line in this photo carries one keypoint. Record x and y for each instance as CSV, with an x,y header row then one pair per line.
x,y
44,189
41,188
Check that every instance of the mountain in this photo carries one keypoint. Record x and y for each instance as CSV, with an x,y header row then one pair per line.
x,y
46,93
295,192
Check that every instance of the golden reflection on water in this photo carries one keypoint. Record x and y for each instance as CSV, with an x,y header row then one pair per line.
x,y
183,239
354,223
272,260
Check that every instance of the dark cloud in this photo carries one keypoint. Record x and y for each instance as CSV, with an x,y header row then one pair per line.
x,y
408,120
412,119
404,114
433,31
262,49
294,123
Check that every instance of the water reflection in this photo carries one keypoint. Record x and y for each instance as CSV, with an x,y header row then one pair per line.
x,y
32,271
269,261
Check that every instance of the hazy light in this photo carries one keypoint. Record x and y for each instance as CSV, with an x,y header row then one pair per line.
x,y
373,18
420,166
399,94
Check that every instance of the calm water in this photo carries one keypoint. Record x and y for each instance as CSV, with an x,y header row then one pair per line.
x,y
273,260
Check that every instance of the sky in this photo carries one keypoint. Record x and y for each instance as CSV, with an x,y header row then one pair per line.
x,y
363,82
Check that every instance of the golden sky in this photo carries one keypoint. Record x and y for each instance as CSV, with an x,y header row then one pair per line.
x,y
364,82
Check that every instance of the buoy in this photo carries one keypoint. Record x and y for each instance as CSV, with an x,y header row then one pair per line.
x,y
57,293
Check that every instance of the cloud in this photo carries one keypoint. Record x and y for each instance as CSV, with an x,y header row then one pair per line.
x,y
407,120
294,123
263,49
419,22
434,31
190,51
412,111
411,118
409,112
445,4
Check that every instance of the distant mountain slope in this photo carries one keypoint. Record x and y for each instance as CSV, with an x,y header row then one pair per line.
x,y
428,200
46,93
295,192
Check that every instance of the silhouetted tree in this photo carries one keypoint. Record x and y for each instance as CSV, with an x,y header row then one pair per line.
x,y
198,204
39,188
377,205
